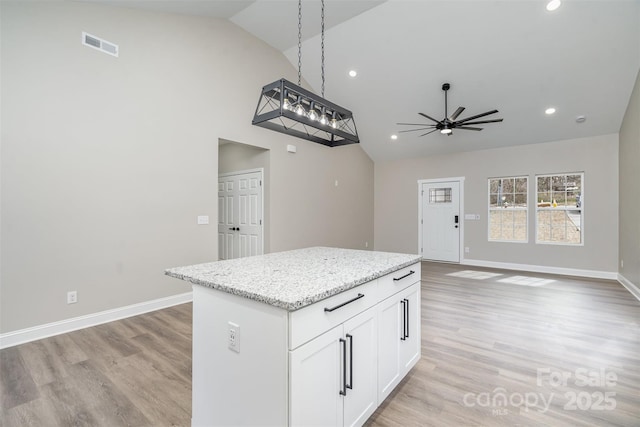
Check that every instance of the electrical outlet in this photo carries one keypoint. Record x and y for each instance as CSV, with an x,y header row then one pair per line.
x,y
234,337
72,297
621,263
366,244
466,249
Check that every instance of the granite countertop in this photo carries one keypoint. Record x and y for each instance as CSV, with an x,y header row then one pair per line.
x,y
294,279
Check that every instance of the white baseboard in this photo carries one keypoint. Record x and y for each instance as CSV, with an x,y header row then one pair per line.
x,y
22,336
633,289
611,275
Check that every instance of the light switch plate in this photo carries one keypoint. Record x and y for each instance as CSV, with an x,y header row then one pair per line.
x,y
203,219
470,217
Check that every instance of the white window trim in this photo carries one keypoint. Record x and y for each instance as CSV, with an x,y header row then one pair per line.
x,y
582,205
489,239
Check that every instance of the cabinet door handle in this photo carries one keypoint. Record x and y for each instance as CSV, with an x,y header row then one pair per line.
x,y
328,310
404,320
397,279
350,385
343,391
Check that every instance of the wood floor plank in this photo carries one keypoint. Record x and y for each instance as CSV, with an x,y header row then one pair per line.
x,y
16,384
486,337
481,339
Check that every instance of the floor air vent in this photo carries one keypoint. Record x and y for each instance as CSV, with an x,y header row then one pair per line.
x,y
100,44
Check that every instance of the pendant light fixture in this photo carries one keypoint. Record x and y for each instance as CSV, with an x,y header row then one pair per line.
x,y
293,110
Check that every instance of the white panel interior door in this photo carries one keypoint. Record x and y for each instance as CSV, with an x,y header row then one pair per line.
x,y
240,225
440,202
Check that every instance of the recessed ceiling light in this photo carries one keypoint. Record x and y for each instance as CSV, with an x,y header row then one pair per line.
x,y
581,119
553,5
394,137
549,111
353,73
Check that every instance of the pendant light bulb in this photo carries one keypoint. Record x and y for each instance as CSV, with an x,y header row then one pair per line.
x,y
286,104
323,118
334,120
313,115
299,108
445,131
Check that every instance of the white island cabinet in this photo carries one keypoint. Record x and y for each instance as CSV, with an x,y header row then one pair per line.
x,y
312,337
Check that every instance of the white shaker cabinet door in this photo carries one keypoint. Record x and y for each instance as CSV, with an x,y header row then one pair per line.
x,y
390,333
361,399
316,381
410,346
334,376
398,338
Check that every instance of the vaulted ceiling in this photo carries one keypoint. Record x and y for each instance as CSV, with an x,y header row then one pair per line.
x,y
513,56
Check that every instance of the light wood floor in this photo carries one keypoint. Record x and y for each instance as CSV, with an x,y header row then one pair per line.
x,y
482,339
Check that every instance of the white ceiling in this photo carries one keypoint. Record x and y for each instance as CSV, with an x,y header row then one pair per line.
x,y
513,56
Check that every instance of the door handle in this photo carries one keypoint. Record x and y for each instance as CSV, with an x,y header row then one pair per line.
x,y
456,221
406,318
350,385
343,390
234,228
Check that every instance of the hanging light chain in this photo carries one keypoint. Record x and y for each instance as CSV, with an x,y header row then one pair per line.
x,y
300,42
322,44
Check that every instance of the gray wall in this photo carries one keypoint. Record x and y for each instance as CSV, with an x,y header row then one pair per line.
x,y
396,200
107,162
629,240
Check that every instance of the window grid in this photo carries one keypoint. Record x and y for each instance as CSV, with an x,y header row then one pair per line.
x,y
559,209
440,195
508,210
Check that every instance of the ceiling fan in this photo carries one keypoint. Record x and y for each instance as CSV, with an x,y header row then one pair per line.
x,y
446,125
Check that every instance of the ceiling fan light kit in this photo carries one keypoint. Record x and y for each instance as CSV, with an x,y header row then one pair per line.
x,y
290,109
446,125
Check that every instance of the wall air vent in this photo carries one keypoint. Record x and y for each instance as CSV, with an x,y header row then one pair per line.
x,y
99,44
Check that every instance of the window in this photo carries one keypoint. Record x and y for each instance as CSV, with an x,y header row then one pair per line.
x,y
559,210
439,195
508,209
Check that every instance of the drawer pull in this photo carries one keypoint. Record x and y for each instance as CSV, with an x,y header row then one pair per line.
x,y
328,310
403,277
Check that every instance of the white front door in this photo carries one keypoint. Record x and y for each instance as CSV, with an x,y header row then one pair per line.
x,y
240,215
441,221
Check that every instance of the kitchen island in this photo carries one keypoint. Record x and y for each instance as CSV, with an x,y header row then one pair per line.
x,y
317,336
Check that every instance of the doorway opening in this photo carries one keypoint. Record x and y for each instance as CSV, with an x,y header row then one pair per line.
x,y
243,200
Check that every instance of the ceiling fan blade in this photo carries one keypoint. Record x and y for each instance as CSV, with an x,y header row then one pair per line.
x,y
429,132
482,121
413,130
456,113
467,128
430,118
477,116
415,124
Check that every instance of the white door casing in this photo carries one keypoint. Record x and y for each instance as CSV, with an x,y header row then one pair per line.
x,y
240,214
440,220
